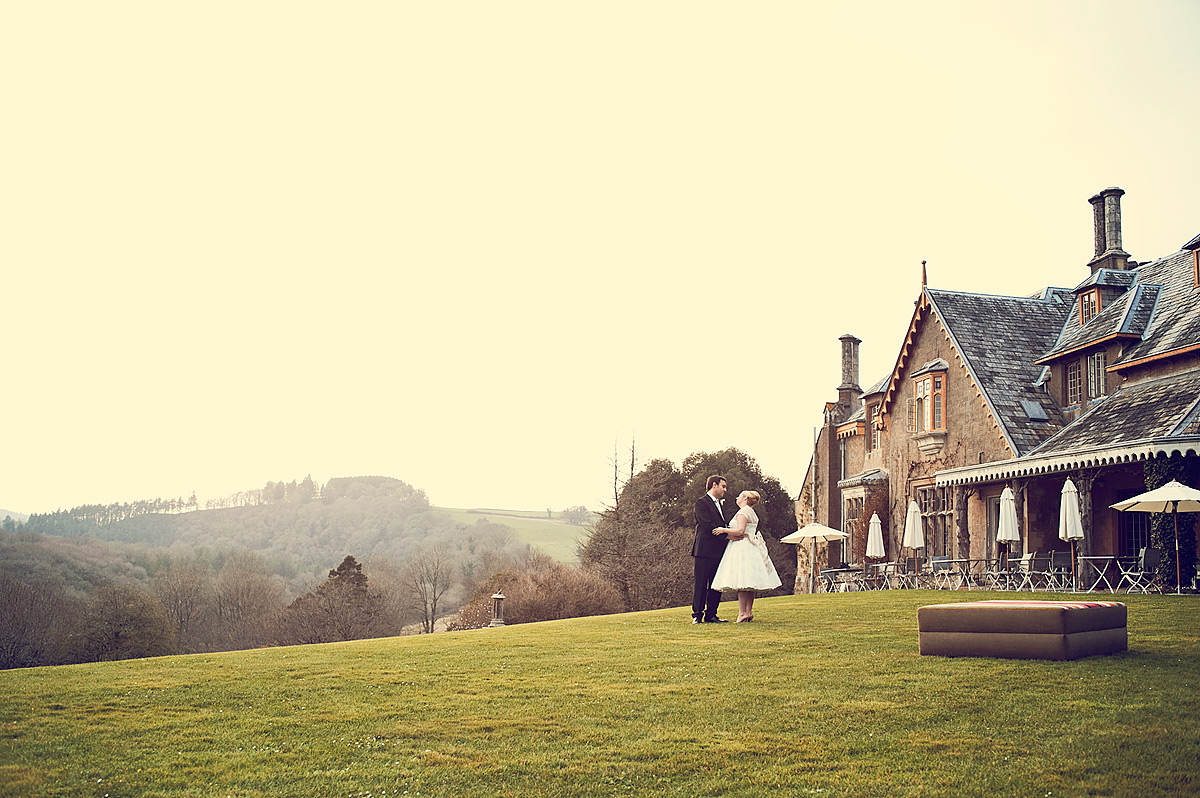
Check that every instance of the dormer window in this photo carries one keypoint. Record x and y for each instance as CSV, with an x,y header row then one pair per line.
x,y
1089,305
876,425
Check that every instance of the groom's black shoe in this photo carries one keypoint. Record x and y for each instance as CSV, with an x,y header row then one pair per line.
x,y
715,620
696,620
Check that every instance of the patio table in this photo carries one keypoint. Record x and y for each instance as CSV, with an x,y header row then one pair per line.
x,y
1098,565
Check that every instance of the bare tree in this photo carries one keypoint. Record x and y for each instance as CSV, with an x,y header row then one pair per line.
x,y
185,591
123,622
247,596
426,578
34,621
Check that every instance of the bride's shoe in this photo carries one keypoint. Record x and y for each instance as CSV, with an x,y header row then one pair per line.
x,y
745,618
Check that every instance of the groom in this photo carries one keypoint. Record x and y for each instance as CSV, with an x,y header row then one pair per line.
x,y
707,550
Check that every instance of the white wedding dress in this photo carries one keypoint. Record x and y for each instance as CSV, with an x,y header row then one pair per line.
x,y
746,564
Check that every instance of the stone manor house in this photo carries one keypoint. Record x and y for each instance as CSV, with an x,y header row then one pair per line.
x,y
993,391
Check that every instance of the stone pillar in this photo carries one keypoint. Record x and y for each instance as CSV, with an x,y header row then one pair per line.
x,y
961,494
1083,483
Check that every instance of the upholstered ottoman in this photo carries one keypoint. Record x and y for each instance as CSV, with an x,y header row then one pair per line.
x,y
1022,629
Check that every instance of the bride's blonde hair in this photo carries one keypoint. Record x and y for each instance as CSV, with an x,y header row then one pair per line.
x,y
752,497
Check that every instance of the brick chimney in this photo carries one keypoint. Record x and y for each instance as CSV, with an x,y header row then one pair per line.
x,y
1106,218
848,392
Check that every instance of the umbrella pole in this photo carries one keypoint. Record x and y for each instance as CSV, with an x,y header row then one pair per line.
x,y
1178,576
1074,574
812,570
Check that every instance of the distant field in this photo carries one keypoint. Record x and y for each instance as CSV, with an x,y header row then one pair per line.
x,y
557,539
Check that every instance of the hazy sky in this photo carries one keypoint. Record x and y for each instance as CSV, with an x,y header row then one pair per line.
x,y
476,246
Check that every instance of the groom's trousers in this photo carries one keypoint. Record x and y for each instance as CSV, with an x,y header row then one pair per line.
x,y
704,598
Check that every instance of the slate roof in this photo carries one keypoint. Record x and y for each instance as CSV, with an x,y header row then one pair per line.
x,y
1120,278
1175,321
1127,315
996,336
1159,408
878,387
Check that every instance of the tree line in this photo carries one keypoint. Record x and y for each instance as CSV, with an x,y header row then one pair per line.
x,y
244,577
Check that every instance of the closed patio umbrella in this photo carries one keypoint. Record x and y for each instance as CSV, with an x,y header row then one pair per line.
x,y
1070,523
814,532
1007,534
914,536
1174,497
875,538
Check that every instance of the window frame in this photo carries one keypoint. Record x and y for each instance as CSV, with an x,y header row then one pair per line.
x,y
1073,384
1089,300
1097,381
936,505
929,402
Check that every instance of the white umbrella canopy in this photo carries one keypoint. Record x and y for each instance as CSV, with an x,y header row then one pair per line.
x,y
1070,522
814,532
875,538
1174,497
1008,534
914,536
1008,518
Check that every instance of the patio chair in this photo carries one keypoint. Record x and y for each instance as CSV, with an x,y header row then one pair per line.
x,y
1029,577
1039,569
943,572
1139,575
859,578
909,573
1004,574
1058,573
887,574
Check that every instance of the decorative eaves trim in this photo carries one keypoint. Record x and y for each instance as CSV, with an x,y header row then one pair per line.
x,y
1094,457
850,429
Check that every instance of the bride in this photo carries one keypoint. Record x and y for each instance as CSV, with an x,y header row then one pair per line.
x,y
745,566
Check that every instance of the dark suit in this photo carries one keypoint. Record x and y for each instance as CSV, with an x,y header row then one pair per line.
x,y
707,549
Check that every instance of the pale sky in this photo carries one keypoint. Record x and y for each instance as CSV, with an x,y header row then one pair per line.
x,y
475,246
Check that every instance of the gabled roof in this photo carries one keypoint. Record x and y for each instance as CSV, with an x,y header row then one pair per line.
x,y
1124,317
995,336
1174,325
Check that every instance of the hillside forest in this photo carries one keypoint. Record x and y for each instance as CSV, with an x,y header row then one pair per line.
x,y
354,558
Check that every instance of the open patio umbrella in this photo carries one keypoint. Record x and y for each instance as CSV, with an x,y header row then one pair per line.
x,y
1008,534
814,532
1070,523
1174,497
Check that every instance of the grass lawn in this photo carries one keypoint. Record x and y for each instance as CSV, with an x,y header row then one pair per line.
x,y
822,695
556,539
